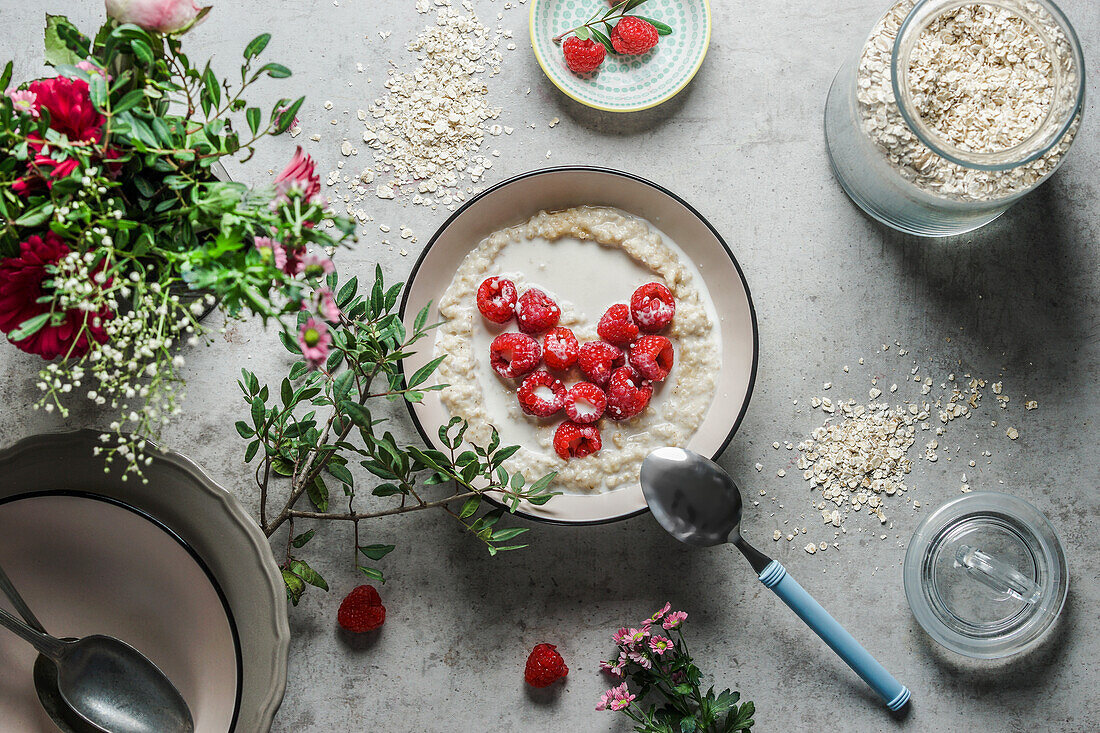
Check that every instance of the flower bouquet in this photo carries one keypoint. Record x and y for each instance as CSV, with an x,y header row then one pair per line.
x,y
118,231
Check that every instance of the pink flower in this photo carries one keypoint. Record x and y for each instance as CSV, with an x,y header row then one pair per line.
x,y
325,302
271,251
617,668
638,636
659,645
674,619
314,265
315,340
25,101
622,637
299,176
91,68
159,16
616,698
640,658
658,615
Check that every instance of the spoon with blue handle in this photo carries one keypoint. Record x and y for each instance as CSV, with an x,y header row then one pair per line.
x,y
698,504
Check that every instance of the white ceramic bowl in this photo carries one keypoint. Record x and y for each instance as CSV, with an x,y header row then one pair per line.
x,y
175,567
519,198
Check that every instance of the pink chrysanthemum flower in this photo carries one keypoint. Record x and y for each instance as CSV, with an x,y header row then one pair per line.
x,y
25,101
617,668
659,645
674,619
617,698
658,615
638,636
271,251
325,303
300,175
315,340
314,265
622,637
641,659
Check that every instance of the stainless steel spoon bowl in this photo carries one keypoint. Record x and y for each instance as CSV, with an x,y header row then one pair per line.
x,y
699,504
107,683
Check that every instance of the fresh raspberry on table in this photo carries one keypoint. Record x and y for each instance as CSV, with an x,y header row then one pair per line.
x,y
652,356
560,348
536,311
514,354
597,359
584,402
633,35
627,393
541,394
572,440
652,307
544,666
496,299
362,610
583,56
615,327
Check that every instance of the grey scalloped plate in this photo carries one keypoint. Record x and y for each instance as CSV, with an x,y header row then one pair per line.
x,y
175,566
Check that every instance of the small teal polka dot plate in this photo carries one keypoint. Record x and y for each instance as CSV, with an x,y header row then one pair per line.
x,y
624,83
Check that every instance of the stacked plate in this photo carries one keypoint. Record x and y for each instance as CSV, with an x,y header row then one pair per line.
x,y
175,567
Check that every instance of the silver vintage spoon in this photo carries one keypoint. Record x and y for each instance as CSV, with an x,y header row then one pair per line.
x,y
107,683
698,503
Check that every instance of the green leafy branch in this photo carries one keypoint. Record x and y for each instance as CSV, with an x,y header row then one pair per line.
x,y
306,436
590,28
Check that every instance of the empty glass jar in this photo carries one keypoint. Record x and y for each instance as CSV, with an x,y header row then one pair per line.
x,y
889,145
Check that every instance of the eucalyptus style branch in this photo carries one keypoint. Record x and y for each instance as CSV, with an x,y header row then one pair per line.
x,y
306,438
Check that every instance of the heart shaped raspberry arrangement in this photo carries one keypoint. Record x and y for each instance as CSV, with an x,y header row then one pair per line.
x,y
620,368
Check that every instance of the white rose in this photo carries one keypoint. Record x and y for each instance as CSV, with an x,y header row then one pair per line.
x,y
159,16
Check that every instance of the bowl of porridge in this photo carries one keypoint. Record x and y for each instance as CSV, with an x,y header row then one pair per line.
x,y
589,316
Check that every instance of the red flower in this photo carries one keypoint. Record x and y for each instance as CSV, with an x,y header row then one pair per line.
x,y
299,175
21,281
71,114
70,107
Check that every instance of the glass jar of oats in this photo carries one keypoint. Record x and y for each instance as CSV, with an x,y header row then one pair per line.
x,y
955,109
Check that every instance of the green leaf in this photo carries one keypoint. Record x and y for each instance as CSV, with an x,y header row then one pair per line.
x,y
250,451
143,51
341,386
57,50
687,725
604,40
340,473
29,327
5,76
286,118
303,538
347,292
662,28
245,431
35,216
421,375
130,100
286,392
582,33
503,535
372,573
318,494
256,46
258,412
308,574
289,343
376,552
295,586
97,89
359,415
275,71
470,507
252,114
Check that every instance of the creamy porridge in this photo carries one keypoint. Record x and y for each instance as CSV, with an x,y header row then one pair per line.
x,y
586,259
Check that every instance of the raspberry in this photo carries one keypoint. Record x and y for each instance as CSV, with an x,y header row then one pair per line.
x,y
576,441
544,666
633,35
652,307
597,359
536,312
585,402
541,394
615,326
627,393
652,356
496,299
583,56
514,354
362,610
560,348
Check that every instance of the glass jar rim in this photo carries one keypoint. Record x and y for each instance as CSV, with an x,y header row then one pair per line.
x,y
1000,160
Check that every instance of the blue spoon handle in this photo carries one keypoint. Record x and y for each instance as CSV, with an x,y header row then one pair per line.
x,y
775,576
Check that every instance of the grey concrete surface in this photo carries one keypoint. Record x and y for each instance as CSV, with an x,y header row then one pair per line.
x,y
1018,301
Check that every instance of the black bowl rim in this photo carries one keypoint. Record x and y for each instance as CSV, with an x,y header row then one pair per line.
x,y
621,174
